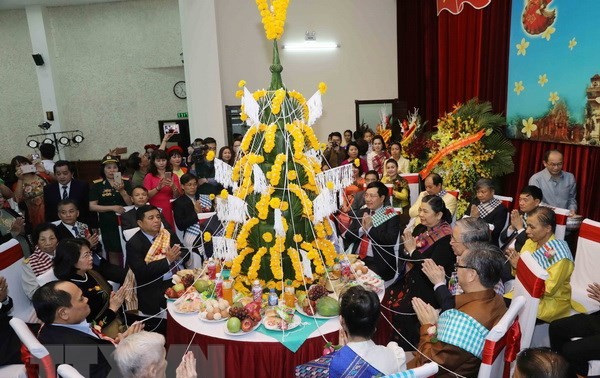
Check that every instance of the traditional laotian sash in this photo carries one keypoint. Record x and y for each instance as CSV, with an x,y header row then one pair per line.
x,y
442,193
485,208
158,249
551,253
345,363
426,239
463,331
382,215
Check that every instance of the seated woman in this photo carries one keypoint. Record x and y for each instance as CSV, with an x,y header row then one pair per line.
x,y
400,190
429,240
352,151
29,188
396,152
45,238
359,312
488,208
74,263
554,256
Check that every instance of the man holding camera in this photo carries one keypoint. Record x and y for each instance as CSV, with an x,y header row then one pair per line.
x,y
204,169
334,153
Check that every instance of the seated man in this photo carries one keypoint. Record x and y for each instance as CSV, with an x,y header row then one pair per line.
x,y
152,362
514,236
359,312
359,198
433,186
63,309
139,196
375,231
577,337
477,311
70,227
153,253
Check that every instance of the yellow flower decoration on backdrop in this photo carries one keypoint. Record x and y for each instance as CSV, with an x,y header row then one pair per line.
x,y
528,127
553,98
542,80
519,87
522,47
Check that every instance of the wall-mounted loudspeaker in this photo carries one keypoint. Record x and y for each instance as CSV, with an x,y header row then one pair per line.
x,y
37,58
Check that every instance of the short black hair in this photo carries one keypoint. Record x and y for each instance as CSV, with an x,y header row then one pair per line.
x,y
534,192
336,134
134,161
67,255
542,363
47,299
208,140
47,150
64,163
187,177
547,154
393,161
141,211
373,172
546,216
359,308
67,201
358,135
35,236
139,187
435,178
382,190
348,131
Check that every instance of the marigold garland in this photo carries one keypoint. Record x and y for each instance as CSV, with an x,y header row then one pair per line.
x,y
270,137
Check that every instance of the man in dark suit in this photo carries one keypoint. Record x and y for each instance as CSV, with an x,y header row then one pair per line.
x,y
153,277
514,236
9,343
375,231
66,187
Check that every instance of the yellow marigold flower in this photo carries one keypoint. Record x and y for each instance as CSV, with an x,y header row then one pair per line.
x,y
322,87
329,185
207,237
211,196
242,83
298,238
357,162
210,155
267,237
224,194
292,175
275,202
243,117
284,206
239,93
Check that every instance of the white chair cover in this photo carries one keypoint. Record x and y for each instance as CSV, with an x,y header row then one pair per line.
x,y
13,371
35,347
413,185
529,283
587,267
493,363
46,277
561,221
68,371
11,267
427,370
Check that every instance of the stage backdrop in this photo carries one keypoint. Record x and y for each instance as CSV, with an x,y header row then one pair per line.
x,y
554,66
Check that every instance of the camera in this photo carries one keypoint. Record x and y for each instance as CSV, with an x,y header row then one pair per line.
x,y
334,144
199,152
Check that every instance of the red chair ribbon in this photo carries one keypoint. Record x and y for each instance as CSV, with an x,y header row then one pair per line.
x,y
511,340
534,285
561,219
411,178
589,232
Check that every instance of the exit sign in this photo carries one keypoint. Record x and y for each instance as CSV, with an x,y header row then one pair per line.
x,y
182,115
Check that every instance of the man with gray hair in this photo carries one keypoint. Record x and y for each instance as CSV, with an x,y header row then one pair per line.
x,y
466,231
143,355
455,339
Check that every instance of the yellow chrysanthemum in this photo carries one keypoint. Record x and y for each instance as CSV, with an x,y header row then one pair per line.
x,y
267,237
298,238
292,175
224,194
275,202
211,196
210,155
284,206
207,237
242,83
322,87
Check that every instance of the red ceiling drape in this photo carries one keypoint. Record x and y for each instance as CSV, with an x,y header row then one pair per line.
x,y
449,59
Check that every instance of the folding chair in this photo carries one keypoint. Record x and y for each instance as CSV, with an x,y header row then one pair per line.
x,y
11,267
425,371
495,363
35,347
413,185
531,284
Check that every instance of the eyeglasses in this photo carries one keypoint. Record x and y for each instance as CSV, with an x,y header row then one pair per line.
x,y
456,266
555,164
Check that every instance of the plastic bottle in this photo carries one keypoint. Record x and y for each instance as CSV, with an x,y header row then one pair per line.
x,y
345,268
336,268
257,291
227,286
211,269
273,299
219,286
289,296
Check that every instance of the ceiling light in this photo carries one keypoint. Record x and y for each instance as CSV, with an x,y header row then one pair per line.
x,y
310,46
78,139
33,143
64,141
47,141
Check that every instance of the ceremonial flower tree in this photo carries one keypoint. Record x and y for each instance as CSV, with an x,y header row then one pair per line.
x,y
469,144
276,219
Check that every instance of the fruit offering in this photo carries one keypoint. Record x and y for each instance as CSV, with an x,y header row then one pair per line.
x,y
248,315
176,291
214,309
190,302
280,318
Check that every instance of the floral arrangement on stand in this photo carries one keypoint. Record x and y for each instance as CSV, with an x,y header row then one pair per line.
x,y
276,219
469,144
416,143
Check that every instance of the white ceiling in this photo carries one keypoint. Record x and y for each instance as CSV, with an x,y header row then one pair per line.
x,y
17,4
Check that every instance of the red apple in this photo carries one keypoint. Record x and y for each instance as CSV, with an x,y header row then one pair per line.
x,y
247,325
171,293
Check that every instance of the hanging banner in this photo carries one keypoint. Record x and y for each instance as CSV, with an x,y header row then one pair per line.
x,y
457,6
